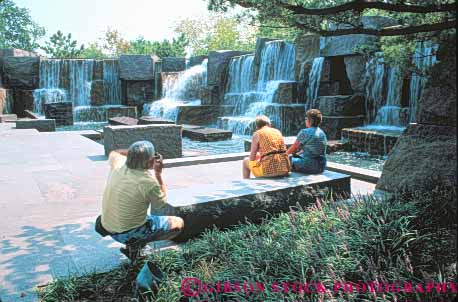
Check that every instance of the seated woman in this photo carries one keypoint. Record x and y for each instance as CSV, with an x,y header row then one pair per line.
x,y
268,156
308,153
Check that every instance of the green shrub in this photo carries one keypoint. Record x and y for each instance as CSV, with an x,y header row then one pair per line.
x,y
411,239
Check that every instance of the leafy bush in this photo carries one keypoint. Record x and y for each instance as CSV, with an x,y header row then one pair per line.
x,y
407,238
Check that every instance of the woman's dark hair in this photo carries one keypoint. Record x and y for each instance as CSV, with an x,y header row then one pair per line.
x,y
262,121
314,116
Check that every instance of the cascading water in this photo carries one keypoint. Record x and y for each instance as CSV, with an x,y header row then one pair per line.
x,y
178,90
314,80
111,82
423,59
80,72
389,113
251,99
375,84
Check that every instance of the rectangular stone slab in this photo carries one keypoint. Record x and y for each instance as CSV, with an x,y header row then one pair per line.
x,y
123,121
207,134
227,203
149,120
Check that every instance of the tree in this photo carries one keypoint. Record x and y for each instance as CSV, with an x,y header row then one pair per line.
x,y
417,16
62,46
17,29
114,44
93,51
217,32
166,48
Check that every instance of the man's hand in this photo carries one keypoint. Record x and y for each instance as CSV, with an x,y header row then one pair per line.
x,y
158,166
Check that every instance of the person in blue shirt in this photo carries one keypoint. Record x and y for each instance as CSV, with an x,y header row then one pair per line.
x,y
308,153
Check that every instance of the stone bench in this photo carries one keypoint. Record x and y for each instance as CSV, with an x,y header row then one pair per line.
x,y
42,125
227,202
207,134
166,138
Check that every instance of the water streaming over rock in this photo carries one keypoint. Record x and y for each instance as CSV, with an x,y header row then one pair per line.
x,y
389,113
178,89
80,72
314,80
423,59
252,93
111,82
374,86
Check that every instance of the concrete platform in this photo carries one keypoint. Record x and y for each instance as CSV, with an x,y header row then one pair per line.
x,y
51,189
229,201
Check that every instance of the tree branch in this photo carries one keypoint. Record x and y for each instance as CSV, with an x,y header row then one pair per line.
x,y
360,5
389,31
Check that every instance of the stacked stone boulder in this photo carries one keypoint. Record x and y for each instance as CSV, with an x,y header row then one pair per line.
x,y
425,155
166,138
137,73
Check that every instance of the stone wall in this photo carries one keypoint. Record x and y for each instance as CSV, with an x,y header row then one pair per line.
x,y
23,100
21,72
166,138
62,113
137,93
201,115
137,67
171,64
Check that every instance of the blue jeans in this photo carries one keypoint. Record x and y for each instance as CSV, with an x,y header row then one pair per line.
x,y
307,164
155,228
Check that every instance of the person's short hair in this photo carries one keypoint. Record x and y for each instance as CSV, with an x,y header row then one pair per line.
x,y
314,116
262,121
139,154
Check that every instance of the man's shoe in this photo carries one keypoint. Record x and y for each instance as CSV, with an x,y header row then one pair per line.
x,y
131,253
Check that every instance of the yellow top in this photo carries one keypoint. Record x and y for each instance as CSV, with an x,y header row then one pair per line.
x,y
127,196
271,140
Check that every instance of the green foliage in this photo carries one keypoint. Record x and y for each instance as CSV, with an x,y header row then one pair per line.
x,y
406,239
114,44
93,51
62,46
166,48
217,32
17,29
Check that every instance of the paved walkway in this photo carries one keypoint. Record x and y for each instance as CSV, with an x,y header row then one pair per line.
x,y
51,187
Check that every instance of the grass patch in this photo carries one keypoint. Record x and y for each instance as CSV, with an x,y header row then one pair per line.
x,y
411,239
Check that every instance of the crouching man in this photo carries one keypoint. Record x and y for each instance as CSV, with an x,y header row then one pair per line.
x,y
131,188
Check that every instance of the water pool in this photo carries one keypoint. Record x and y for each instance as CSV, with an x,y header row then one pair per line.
x,y
236,144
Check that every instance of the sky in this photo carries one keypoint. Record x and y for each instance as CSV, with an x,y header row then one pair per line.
x,y
87,20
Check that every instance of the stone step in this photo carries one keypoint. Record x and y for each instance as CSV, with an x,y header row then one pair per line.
x,y
148,120
207,134
8,118
227,202
123,121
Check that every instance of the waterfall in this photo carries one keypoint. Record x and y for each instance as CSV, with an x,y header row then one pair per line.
x,y
251,99
423,59
388,114
80,72
180,89
64,80
314,80
374,86
47,95
111,82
